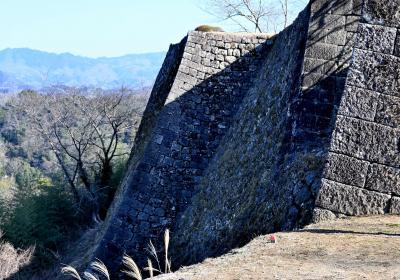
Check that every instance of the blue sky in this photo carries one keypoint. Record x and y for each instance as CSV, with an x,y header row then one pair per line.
x,y
99,27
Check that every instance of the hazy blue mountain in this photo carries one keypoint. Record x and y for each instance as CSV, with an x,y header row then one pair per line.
x,y
25,68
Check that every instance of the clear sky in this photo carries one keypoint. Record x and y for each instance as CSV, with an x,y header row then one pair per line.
x,y
98,27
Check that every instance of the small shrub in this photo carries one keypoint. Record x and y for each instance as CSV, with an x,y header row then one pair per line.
x,y
39,214
209,28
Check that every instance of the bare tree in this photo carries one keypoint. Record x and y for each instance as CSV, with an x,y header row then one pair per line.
x,y
242,12
285,12
255,15
85,133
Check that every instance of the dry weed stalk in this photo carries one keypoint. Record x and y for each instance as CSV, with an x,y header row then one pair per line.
x,y
132,270
12,259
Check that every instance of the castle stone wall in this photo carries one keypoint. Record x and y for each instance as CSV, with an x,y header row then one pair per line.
x,y
214,75
246,135
362,175
247,187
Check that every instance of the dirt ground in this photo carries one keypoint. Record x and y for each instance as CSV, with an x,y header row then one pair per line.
x,y
354,248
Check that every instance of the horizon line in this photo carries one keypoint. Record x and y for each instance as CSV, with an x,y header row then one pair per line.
x,y
80,55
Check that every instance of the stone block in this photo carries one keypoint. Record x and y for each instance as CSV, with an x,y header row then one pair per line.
x,y
376,38
337,7
320,215
350,200
382,12
346,170
366,140
383,179
375,71
388,110
312,79
322,51
359,103
336,37
230,59
314,65
352,23
342,7
395,205
328,22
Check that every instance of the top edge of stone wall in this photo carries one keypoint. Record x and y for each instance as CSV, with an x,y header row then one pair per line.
x,y
233,34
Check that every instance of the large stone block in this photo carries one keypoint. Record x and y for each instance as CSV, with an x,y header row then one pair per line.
x,y
382,12
322,51
328,29
376,38
346,170
388,110
366,140
350,200
337,7
375,71
359,103
383,179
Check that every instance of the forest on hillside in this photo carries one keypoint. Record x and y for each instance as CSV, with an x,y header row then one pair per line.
x,y
62,155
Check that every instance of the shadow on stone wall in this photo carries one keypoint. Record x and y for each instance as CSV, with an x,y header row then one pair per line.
x,y
242,152
267,172
179,147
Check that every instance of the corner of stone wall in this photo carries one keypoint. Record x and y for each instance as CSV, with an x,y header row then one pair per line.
x,y
199,89
362,174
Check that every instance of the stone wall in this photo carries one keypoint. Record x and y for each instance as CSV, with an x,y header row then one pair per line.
x,y
246,189
362,175
246,135
176,143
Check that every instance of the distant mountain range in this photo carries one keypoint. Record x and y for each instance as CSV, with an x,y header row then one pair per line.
x,y
26,68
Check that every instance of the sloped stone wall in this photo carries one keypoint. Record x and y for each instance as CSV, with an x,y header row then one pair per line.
x,y
267,173
247,187
215,73
362,175
246,135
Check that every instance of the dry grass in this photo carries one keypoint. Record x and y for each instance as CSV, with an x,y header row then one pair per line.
x,y
70,271
132,270
12,259
99,267
166,245
354,248
208,28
